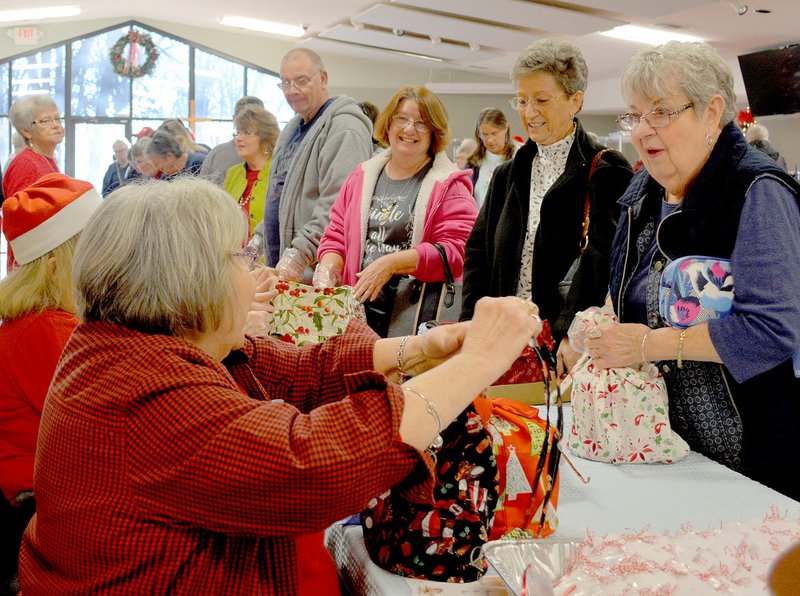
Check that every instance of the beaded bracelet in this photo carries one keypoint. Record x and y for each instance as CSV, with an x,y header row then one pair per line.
x,y
433,411
680,348
400,364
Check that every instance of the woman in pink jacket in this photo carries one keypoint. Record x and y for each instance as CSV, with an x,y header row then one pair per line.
x,y
395,206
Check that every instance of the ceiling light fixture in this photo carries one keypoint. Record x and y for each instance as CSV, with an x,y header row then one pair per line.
x,y
357,25
263,26
436,40
475,47
647,35
413,55
38,14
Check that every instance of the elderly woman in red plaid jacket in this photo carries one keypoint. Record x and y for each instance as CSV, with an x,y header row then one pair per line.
x,y
178,454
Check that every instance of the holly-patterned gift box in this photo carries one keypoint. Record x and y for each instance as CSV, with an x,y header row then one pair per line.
x,y
304,314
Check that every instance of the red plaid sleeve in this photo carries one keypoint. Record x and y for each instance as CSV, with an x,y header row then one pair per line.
x,y
206,454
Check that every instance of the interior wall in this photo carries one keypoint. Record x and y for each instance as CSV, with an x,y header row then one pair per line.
x,y
373,81
784,134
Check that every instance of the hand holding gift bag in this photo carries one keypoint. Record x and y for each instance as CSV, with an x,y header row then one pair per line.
x,y
620,415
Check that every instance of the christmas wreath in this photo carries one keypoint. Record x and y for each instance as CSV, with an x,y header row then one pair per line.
x,y
130,63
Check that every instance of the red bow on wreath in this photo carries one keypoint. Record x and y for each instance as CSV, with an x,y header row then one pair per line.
x,y
134,56
745,119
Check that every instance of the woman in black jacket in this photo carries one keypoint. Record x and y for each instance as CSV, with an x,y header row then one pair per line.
x,y
530,229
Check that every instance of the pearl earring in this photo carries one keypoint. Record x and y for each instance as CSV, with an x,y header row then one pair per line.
x,y
709,139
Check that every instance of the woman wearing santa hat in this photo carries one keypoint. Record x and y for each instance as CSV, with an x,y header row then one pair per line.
x,y
42,223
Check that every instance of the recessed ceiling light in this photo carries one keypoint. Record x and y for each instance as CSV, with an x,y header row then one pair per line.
x,y
647,35
38,14
263,26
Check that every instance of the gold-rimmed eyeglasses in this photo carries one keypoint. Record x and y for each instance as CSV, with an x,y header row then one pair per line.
x,y
658,118
521,103
402,123
49,121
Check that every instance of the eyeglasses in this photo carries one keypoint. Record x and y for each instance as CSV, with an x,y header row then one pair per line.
x,y
299,82
49,121
658,118
402,123
250,256
244,134
521,103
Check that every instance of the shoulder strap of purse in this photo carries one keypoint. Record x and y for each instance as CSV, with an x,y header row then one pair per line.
x,y
449,280
586,206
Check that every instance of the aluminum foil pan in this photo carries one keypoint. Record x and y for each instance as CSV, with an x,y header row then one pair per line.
x,y
545,560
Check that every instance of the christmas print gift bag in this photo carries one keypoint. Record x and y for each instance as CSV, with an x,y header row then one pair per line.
x,y
304,314
525,446
440,540
528,368
620,415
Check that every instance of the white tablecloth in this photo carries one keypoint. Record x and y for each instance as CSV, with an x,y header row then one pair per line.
x,y
660,497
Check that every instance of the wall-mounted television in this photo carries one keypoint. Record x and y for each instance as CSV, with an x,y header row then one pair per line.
x,y
772,80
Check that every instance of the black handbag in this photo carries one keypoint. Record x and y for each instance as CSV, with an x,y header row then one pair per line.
x,y
565,284
417,302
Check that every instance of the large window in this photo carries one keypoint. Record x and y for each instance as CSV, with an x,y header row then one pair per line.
x,y
188,82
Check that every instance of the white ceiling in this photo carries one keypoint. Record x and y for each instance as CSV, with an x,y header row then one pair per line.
x,y
496,30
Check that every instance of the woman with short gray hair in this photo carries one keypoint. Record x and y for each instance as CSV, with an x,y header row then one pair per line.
x,y
729,346
196,444
37,120
529,234
166,153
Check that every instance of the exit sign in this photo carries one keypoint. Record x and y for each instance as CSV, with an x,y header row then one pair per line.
x,y
27,36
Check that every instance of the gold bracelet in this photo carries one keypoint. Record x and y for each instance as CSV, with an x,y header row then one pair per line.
x,y
433,411
644,340
680,348
400,364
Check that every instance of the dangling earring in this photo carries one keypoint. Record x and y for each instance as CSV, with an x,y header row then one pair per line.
x,y
709,139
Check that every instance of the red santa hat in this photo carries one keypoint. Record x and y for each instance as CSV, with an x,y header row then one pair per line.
x,y
46,214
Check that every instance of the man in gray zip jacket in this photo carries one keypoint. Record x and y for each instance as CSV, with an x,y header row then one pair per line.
x,y
315,153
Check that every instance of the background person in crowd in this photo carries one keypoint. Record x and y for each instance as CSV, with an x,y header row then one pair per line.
x,y
463,151
166,154
704,191
184,136
371,111
138,157
37,310
494,146
528,233
121,170
393,207
225,155
254,138
196,442
36,119
758,136
17,144
315,153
